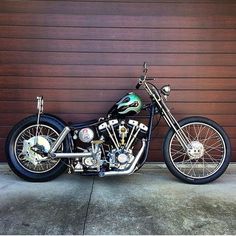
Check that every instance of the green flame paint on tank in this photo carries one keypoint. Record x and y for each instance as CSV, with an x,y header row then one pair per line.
x,y
129,104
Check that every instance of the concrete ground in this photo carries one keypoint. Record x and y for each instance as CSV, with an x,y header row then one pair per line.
x,y
151,201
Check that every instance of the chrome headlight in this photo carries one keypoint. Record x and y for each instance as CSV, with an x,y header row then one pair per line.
x,y
165,90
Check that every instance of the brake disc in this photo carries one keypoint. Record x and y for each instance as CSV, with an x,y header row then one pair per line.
x,y
28,149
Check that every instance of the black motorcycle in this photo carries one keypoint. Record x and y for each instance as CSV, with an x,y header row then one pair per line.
x,y
42,146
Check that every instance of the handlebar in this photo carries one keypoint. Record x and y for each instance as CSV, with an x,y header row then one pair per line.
x,y
141,80
143,77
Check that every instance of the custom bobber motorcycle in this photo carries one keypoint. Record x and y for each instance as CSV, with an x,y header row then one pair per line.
x,y
42,146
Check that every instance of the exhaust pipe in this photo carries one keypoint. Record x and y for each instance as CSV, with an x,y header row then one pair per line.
x,y
131,169
70,155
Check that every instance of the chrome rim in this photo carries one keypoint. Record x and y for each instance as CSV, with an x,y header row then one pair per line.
x,y
206,156
34,162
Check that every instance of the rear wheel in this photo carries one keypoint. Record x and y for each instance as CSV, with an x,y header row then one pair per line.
x,y
208,157
22,142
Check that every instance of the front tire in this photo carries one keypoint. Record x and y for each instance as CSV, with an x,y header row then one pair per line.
x,y
26,163
209,157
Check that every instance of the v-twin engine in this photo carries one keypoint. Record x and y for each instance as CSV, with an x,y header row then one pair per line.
x,y
115,147
123,135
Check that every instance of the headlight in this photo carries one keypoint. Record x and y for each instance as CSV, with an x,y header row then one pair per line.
x,y
165,90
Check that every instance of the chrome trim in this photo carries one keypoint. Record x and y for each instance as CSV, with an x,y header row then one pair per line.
x,y
132,140
111,137
114,133
70,155
131,169
130,136
59,140
169,118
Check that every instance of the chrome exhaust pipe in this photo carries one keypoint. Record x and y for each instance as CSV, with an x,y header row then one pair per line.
x,y
131,169
70,155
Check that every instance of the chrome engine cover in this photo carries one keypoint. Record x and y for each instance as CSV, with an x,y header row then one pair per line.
x,y
93,162
120,159
113,148
86,135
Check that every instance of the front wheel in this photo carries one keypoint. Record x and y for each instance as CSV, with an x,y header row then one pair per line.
x,y
208,156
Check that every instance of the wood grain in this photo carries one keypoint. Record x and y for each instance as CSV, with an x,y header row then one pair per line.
x,y
143,34
117,46
82,56
119,8
122,59
116,71
212,21
88,83
76,95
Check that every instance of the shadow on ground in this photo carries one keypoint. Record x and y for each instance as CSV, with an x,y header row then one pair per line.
x,y
148,202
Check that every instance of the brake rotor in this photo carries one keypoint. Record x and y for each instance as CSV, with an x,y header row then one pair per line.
x,y
196,151
31,155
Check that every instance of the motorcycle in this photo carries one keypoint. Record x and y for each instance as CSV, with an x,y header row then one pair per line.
x,y
42,146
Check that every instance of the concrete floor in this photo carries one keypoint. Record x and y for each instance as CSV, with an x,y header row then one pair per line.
x,y
151,201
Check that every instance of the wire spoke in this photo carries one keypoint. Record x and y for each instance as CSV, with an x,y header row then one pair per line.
x,y
212,156
34,162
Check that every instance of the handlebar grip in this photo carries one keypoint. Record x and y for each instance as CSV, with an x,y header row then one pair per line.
x,y
138,85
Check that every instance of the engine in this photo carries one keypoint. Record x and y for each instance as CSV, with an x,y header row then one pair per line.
x,y
112,143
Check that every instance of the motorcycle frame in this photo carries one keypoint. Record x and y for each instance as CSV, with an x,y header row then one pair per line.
x,y
153,109
158,106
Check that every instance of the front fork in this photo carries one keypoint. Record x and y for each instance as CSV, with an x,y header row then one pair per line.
x,y
173,123
170,120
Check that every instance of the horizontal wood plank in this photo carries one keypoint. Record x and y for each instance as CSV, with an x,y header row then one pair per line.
x,y
147,21
115,71
78,83
117,8
67,58
112,95
116,33
119,46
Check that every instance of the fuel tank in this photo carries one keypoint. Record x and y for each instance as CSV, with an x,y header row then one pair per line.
x,y
130,104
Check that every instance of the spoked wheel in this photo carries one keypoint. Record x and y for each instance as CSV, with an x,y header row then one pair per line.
x,y
208,154
30,139
27,146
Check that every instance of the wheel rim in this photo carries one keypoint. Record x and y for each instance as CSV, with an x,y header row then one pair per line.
x,y
201,163
47,136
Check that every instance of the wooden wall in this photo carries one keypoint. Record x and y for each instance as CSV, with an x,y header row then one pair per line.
x,y
83,55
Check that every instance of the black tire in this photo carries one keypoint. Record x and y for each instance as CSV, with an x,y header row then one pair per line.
x,y
176,166
12,159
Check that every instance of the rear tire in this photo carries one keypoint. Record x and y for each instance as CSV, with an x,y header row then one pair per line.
x,y
25,169
212,151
